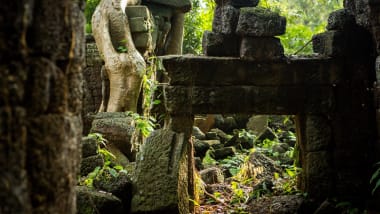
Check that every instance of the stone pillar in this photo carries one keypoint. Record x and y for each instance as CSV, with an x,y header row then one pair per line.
x,y
41,57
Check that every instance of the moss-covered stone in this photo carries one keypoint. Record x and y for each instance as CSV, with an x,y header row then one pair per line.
x,y
257,21
92,201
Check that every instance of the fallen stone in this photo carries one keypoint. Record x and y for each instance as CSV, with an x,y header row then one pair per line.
x,y
117,128
261,48
120,186
255,21
198,163
198,134
89,147
212,136
161,180
212,175
222,135
217,44
222,153
93,201
267,134
200,148
88,164
257,123
225,19
262,167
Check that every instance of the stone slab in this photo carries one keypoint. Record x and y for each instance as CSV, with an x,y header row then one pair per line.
x,y
138,25
260,22
261,48
218,44
137,11
249,99
161,176
183,5
225,71
340,20
225,19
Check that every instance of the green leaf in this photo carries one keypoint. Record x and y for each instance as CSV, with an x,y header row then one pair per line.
x,y
113,172
375,175
376,186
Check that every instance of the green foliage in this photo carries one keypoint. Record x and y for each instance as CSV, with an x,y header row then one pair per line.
x,y
144,124
304,19
109,168
234,163
197,21
89,10
375,179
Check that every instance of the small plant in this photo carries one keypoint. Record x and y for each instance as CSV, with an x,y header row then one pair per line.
x,y
375,179
144,124
108,168
123,48
239,195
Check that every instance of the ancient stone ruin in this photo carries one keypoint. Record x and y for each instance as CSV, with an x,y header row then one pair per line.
x,y
333,95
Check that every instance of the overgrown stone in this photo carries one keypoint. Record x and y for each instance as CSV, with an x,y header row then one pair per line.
x,y
257,123
120,186
267,134
200,148
261,48
222,135
222,153
212,175
93,201
255,21
225,19
89,147
340,20
117,128
212,136
90,163
218,44
198,134
161,176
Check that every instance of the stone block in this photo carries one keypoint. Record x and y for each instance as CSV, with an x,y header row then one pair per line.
x,y
88,164
330,43
137,11
161,179
318,171
138,25
257,123
222,153
340,20
217,44
238,3
225,19
142,40
117,128
200,148
183,5
212,175
261,48
89,147
260,22
120,186
93,201
318,133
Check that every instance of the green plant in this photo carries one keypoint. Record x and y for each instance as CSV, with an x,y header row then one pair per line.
x,y
375,179
88,11
197,21
108,168
287,183
239,196
144,124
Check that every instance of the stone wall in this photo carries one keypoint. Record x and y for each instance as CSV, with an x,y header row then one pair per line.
x,y
92,84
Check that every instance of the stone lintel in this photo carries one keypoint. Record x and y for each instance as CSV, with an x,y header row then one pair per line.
x,y
226,71
249,99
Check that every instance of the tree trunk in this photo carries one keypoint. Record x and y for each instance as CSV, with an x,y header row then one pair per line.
x,y
41,59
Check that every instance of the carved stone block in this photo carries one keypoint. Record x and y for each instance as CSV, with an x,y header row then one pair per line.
x,y
260,22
